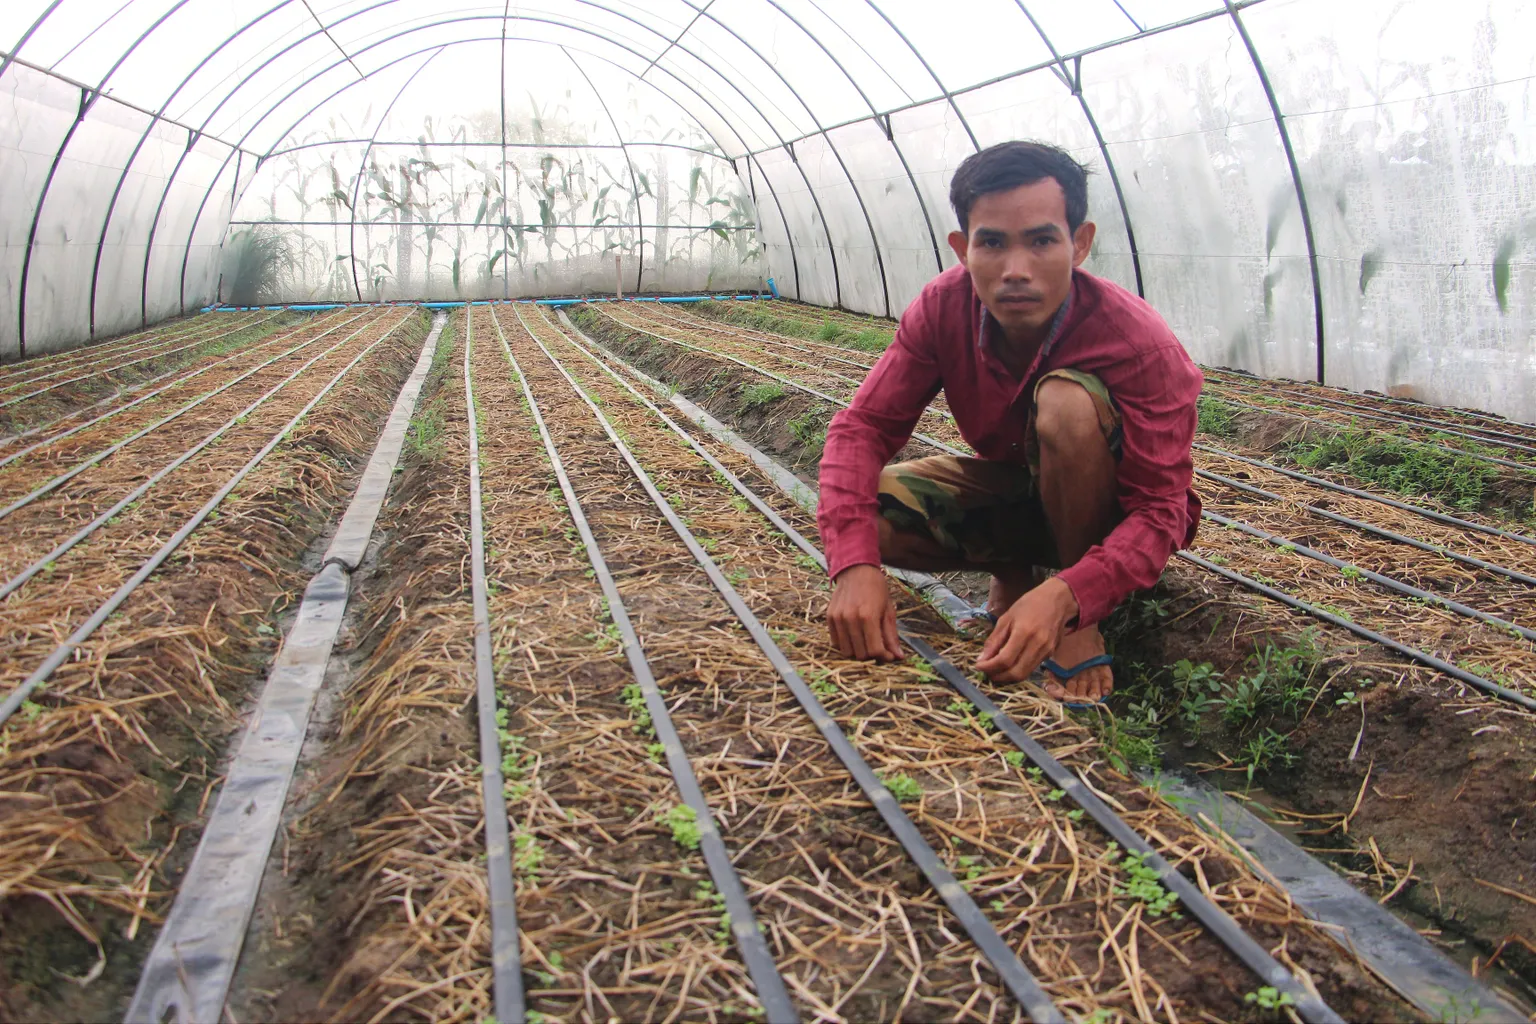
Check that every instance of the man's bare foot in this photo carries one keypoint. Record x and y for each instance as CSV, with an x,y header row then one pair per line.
x,y
1008,588
1087,686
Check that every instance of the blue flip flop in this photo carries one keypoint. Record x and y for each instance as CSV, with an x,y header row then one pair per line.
x,y
1064,674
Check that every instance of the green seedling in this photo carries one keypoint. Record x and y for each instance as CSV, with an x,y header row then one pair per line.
x,y
1347,699
1055,795
1014,758
656,751
1076,815
1144,885
821,685
1269,998
756,395
528,856
684,825
903,787
634,698
1035,772
960,707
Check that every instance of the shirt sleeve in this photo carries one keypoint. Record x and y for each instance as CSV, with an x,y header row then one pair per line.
x,y
864,436
1157,411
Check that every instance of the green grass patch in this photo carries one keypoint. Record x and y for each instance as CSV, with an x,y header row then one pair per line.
x,y
754,396
1217,418
1411,468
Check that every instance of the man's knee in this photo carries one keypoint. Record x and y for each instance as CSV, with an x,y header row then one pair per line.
x,y
1066,415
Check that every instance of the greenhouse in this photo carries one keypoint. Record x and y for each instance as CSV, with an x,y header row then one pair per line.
x,y
448,455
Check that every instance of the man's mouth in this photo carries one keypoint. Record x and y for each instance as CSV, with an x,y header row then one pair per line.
x,y
1019,301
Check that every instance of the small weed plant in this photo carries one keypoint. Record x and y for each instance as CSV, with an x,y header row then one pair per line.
x,y
755,396
1143,884
903,787
683,822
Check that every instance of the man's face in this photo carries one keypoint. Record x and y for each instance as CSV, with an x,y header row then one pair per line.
x,y
1020,254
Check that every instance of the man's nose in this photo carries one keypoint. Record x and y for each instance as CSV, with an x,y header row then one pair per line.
x,y
1016,265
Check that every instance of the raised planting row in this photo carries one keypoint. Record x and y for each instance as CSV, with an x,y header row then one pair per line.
x,y
37,400
130,653
1276,703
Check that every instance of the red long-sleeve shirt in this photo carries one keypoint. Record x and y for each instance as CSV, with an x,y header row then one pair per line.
x,y
942,343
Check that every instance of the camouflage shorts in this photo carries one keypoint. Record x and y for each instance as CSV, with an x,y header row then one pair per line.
x,y
984,512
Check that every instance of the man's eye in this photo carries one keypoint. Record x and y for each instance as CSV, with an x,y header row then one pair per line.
x,y
993,243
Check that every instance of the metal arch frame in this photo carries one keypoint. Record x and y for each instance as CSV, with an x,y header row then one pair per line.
x,y
192,136
362,167
1111,44
1074,81
9,58
634,181
794,260
501,169
1301,192
943,90
874,240
948,96
510,145
302,117
87,100
891,138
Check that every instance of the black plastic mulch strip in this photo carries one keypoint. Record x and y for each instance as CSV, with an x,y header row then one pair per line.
x,y
1011,970
506,953
1412,653
750,942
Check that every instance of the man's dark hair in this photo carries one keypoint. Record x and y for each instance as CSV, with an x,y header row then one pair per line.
x,y
1008,165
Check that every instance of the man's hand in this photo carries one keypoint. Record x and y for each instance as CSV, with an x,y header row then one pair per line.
x,y
1028,632
861,617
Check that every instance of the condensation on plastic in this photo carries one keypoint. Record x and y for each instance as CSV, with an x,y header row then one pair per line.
x,y
1412,135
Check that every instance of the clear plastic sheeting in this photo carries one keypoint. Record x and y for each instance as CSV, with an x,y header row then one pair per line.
x,y
1302,187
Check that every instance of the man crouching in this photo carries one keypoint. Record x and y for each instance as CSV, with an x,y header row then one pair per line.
x,y
1079,402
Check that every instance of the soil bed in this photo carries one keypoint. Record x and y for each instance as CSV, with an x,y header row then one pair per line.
x,y
104,779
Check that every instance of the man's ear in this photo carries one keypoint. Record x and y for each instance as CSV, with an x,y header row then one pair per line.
x,y
1082,242
962,246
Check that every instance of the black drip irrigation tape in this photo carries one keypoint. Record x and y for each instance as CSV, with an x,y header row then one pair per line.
x,y
950,449
1375,531
162,354
750,942
1412,653
1528,467
7,460
759,336
165,331
1391,583
1218,922
1355,492
506,954
59,363
16,582
1014,975
1370,412
65,650
91,460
